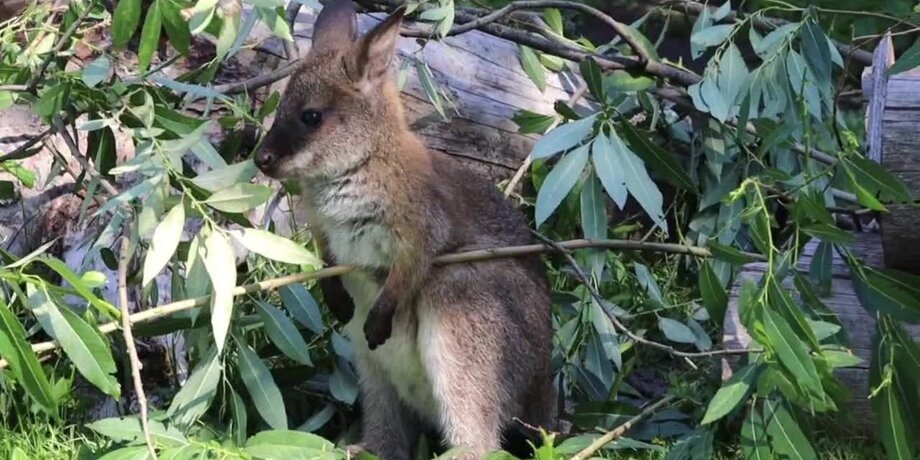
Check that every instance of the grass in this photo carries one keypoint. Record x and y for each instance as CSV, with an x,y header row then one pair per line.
x,y
46,441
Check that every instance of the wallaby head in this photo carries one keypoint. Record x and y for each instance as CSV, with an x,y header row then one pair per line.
x,y
340,104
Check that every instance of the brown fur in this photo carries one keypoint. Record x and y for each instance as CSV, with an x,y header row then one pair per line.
x,y
463,348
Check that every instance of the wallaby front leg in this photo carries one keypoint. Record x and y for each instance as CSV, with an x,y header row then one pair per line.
x,y
337,298
401,284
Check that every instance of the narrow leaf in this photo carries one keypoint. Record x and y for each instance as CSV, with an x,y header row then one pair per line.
x,y
275,247
23,362
262,388
221,266
283,333
164,242
559,182
731,394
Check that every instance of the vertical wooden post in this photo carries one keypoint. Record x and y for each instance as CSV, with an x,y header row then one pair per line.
x,y
875,87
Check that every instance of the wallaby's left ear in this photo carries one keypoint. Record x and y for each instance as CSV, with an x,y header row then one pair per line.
x,y
376,49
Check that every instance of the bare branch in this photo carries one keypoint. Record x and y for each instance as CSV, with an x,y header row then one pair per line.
x,y
84,163
612,435
128,335
460,257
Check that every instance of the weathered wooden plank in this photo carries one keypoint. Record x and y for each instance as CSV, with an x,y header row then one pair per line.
x,y
876,82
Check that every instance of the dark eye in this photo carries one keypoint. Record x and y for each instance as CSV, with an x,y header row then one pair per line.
x,y
311,118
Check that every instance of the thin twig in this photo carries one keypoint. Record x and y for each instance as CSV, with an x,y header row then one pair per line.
x,y
62,42
612,435
596,296
461,257
84,163
128,335
247,86
290,15
14,88
22,151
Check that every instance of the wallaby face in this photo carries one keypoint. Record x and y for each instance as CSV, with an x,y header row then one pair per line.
x,y
338,101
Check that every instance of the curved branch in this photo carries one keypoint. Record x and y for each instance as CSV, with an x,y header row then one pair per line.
x,y
338,270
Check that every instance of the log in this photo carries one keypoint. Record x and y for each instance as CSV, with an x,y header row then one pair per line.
x,y
893,121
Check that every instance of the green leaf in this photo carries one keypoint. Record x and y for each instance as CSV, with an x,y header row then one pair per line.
x,y
220,264
877,180
164,242
731,394
284,334
837,358
661,161
77,283
647,281
696,445
221,178
591,72
532,123
676,331
712,36
754,443
828,233
186,452
559,182
638,182
609,170
343,386
821,267
275,247
262,388
81,342
240,419
128,453
594,220
195,396
888,291
289,445
714,297
239,198
908,60
563,137
6,99
643,41
302,306
177,29
125,20
275,23
23,362
553,19
622,81
788,439
817,52
150,36
129,429
727,253
430,86
229,29
97,71
791,352
532,67
732,74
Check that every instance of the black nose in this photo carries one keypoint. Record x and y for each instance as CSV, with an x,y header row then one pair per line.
x,y
265,159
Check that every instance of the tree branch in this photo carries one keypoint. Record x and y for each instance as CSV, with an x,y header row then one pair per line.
x,y
461,257
612,435
59,46
128,335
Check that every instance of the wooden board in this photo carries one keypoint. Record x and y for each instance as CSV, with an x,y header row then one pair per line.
x,y
858,324
900,154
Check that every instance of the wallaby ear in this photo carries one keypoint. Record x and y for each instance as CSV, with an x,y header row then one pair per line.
x,y
376,50
336,26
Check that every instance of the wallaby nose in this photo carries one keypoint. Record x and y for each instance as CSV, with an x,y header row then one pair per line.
x,y
264,160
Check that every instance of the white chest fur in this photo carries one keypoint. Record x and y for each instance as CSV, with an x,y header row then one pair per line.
x,y
398,361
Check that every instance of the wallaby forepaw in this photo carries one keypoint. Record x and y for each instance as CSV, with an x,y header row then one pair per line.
x,y
377,329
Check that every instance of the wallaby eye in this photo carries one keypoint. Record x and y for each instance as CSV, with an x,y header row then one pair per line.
x,y
311,118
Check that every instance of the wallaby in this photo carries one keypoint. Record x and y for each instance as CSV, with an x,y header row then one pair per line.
x,y
461,348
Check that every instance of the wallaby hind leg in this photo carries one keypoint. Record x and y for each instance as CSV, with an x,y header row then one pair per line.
x,y
389,429
460,355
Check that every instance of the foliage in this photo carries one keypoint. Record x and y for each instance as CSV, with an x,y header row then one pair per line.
x,y
704,182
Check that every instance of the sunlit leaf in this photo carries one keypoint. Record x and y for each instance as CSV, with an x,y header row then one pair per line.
x,y
302,306
130,429
125,20
559,182
754,442
563,137
150,35
533,68
220,263
287,444
164,242
791,352
239,198
195,396
275,247
788,439
638,182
